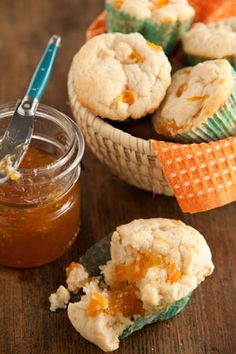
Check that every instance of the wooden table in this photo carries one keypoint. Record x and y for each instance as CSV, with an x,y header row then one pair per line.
x,y
27,326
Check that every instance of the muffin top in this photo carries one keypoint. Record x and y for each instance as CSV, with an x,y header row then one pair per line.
x,y
213,40
165,258
195,94
118,76
159,11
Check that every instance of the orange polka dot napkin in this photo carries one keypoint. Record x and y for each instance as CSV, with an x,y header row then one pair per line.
x,y
98,26
202,176
213,10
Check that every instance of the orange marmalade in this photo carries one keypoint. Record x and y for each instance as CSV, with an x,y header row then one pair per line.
x,y
40,212
138,269
121,300
122,297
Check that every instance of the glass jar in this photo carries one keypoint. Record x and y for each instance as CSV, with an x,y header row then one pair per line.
x,y
40,212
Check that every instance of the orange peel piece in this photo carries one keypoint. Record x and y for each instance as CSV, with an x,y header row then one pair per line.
x,y
164,128
181,89
197,98
97,304
136,57
118,3
128,97
161,3
173,274
155,46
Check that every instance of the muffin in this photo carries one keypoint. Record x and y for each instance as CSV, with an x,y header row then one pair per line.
x,y
118,76
200,104
154,267
211,41
161,22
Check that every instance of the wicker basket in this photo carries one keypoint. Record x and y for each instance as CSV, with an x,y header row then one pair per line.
x,y
130,158
211,181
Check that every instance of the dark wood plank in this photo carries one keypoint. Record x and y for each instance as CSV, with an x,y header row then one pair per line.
x,y
207,325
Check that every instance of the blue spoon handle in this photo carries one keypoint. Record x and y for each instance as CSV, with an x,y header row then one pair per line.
x,y
43,71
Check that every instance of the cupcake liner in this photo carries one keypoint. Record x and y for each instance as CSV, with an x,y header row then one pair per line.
x,y
162,315
165,35
118,21
99,254
220,126
232,61
192,60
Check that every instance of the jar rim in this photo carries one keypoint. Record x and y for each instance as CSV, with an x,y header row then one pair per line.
x,y
77,142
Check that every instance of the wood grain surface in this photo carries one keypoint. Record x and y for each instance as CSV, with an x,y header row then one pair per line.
x,y
208,324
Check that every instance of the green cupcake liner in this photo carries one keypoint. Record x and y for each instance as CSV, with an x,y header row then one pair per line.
x,y
168,36
220,126
118,21
165,35
99,254
194,60
162,315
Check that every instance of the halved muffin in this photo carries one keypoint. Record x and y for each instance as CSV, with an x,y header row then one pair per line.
x,y
162,22
200,103
211,41
155,265
118,76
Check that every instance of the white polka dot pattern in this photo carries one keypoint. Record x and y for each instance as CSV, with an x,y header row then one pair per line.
x,y
203,176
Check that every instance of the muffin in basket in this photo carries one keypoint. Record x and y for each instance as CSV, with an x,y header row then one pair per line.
x,y
161,22
118,76
200,104
211,41
200,176
149,270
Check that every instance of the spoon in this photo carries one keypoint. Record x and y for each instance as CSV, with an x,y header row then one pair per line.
x,y
17,136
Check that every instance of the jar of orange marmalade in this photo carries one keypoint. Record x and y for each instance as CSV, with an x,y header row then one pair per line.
x,y
40,212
